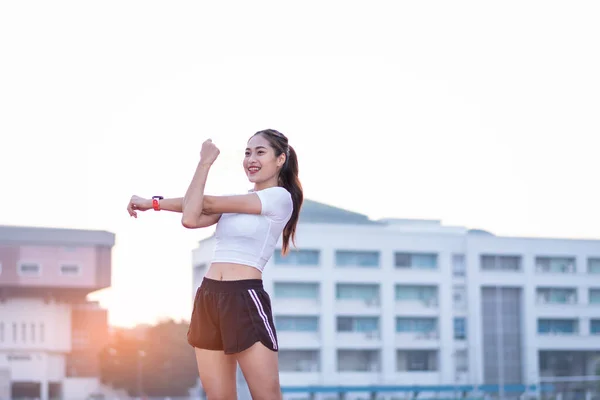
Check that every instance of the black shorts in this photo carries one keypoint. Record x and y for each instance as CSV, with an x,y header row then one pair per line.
x,y
231,316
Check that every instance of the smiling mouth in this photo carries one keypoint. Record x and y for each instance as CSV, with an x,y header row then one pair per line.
x,y
253,170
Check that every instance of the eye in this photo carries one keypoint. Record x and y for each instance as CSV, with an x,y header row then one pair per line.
x,y
247,153
261,152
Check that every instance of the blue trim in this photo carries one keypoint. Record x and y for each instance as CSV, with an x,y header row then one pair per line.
x,y
415,388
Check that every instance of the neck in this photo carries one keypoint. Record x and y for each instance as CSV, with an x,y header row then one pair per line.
x,y
266,184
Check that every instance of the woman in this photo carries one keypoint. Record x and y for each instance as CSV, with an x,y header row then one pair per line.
x,y
232,320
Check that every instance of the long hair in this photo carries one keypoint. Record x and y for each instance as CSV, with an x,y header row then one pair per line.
x,y
288,178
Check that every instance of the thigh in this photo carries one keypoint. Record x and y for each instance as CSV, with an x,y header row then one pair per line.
x,y
217,374
261,370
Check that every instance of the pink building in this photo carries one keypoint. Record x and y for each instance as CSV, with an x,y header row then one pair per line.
x,y
50,335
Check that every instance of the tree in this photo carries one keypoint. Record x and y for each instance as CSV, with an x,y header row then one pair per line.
x,y
160,364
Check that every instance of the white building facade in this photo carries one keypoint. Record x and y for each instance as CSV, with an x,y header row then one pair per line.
x,y
413,302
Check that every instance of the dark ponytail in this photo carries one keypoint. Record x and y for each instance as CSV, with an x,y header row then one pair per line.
x,y
288,179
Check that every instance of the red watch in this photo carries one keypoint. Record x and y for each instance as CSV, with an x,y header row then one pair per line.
x,y
156,203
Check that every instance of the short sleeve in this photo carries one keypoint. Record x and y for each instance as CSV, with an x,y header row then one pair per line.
x,y
276,203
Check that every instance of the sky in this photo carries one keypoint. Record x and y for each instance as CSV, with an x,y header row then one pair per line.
x,y
479,114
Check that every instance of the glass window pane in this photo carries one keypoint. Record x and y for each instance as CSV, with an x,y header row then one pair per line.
x,y
297,257
298,290
345,258
594,265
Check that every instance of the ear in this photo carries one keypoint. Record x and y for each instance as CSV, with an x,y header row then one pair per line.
x,y
281,160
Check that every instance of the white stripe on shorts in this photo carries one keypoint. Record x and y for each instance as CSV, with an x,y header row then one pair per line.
x,y
262,314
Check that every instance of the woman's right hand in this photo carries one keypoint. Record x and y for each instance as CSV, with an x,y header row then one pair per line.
x,y
138,203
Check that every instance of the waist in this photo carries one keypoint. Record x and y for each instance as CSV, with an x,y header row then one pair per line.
x,y
248,257
242,285
232,271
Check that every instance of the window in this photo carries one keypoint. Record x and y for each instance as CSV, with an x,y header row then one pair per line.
x,y
500,263
459,297
460,328
0,268
296,290
423,327
14,332
41,332
424,294
1,332
415,260
69,269
30,269
358,361
33,333
561,265
18,357
416,360
365,259
558,326
461,361
556,295
595,326
594,296
459,267
357,324
23,332
297,323
594,265
298,257
80,339
369,293
299,360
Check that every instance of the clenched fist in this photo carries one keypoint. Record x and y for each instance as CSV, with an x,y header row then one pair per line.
x,y
209,152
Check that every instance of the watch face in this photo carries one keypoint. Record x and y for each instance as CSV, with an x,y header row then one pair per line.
x,y
158,197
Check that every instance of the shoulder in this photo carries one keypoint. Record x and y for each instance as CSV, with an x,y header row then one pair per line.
x,y
276,201
275,193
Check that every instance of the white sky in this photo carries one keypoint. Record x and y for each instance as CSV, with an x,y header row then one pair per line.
x,y
481,114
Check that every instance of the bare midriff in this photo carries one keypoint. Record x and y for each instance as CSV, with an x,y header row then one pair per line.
x,y
221,271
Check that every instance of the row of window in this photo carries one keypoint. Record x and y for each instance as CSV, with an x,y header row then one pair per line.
x,y
35,269
414,260
565,326
426,295
420,327
565,296
367,360
23,332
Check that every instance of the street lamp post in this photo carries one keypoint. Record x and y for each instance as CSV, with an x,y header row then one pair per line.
x,y
141,354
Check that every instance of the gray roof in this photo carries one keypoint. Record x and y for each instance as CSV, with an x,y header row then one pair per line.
x,y
315,212
54,236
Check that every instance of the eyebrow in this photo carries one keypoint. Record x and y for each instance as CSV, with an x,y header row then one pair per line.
x,y
257,147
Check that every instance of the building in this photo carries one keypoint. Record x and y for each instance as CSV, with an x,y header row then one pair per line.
x,y
413,302
50,335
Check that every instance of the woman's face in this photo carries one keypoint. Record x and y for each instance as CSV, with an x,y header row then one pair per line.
x,y
260,162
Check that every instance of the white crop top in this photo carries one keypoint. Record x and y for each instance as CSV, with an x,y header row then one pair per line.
x,y
250,239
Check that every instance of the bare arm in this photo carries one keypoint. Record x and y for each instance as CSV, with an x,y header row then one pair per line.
x,y
238,204
175,205
194,197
